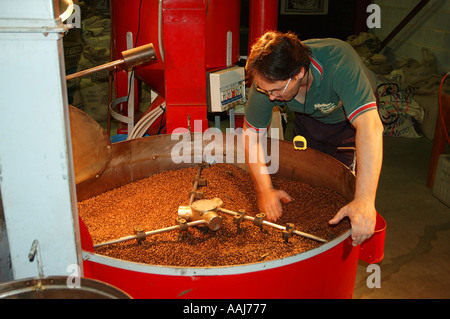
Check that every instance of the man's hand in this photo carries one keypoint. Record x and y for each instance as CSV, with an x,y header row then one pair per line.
x,y
362,216
269,202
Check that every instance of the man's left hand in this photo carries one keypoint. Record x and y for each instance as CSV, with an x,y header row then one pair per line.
x,y
362,216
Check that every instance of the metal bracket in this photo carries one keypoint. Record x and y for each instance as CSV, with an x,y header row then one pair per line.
x,y
196,194
238,218
259,220
200,181
288,232
183,224
140,234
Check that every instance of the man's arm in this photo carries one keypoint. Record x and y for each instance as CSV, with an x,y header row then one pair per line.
x,y
268,197
369,156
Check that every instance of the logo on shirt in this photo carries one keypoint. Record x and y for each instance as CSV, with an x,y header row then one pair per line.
x,y
326,108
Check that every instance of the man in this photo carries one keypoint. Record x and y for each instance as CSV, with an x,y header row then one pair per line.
x,y
331,92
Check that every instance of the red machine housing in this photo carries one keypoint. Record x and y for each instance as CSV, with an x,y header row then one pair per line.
x,y
190,37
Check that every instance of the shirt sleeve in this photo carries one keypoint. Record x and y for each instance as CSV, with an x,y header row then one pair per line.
x,y
352,84
258,111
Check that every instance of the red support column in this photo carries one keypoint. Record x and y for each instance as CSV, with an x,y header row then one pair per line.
x,y
440,138
263,17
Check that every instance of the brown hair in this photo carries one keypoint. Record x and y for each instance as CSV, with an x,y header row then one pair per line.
x,y
277,56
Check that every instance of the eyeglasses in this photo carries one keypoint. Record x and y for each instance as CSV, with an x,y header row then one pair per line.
x,y
272,91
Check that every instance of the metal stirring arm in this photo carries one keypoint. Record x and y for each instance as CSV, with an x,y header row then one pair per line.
x,y
223,210
142,235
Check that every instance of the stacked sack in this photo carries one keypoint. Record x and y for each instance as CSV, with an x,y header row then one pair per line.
x,y
96,32
399,112
422,81
367,45
408,92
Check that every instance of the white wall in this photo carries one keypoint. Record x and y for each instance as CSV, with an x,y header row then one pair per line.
x,y
430,28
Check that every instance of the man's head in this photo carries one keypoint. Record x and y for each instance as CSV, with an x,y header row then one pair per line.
x,y
277,56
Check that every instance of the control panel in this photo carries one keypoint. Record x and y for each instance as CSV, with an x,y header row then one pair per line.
x,y
226,89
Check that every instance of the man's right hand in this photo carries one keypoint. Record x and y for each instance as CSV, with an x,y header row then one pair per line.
x,y
269,202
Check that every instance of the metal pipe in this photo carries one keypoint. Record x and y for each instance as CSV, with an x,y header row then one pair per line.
x,y
34,251
151,232
110,75
403,23
95,69
131,58
139,55
223,210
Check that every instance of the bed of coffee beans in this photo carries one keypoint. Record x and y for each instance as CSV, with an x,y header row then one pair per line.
x,y
152,203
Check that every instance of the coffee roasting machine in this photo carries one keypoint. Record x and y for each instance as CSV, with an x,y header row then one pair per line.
x,y
193,67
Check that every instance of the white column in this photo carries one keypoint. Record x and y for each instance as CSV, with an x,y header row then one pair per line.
x,y
36,166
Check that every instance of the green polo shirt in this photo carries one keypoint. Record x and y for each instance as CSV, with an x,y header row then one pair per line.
x,y
339,75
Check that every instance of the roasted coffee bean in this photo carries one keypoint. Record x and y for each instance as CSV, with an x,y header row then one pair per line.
x,y
152,203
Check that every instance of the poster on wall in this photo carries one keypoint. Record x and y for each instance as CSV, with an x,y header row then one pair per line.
x,y
304,7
